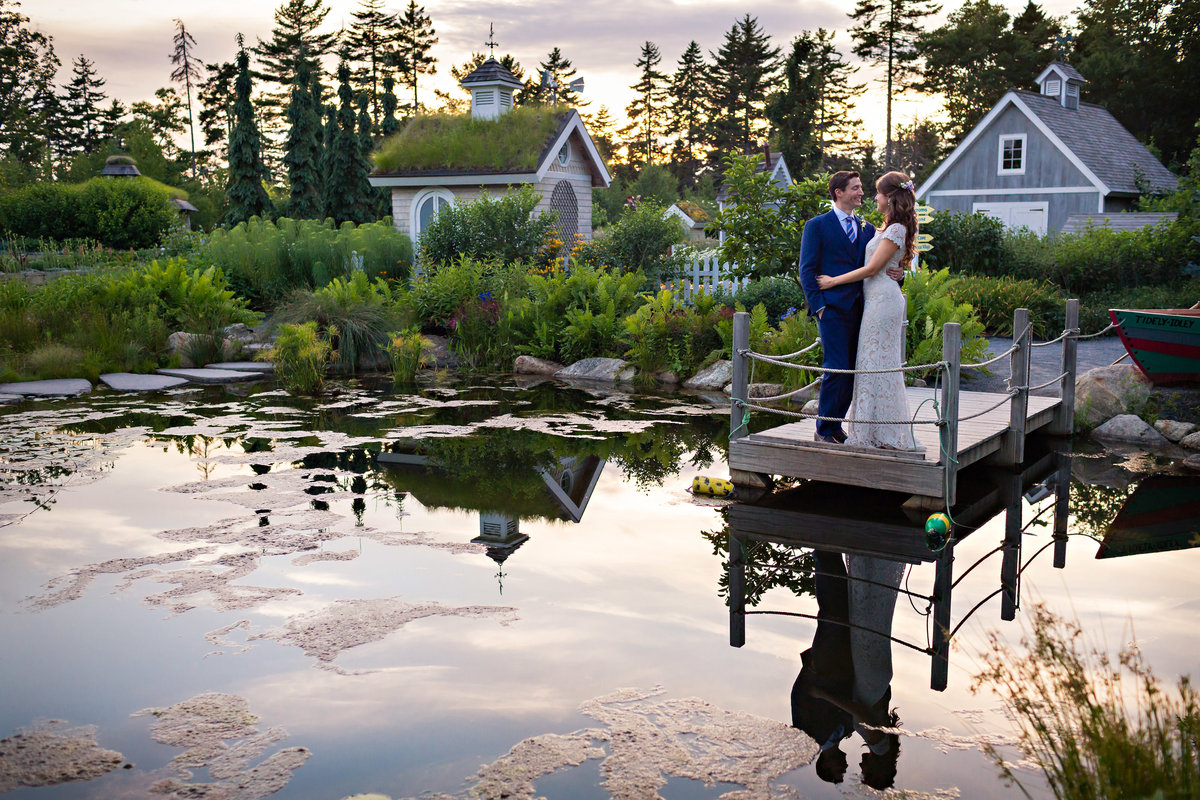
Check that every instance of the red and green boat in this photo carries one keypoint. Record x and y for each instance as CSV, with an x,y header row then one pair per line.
x,y
1163,342
1162,514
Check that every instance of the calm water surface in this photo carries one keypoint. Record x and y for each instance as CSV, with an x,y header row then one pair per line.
x,y
384,592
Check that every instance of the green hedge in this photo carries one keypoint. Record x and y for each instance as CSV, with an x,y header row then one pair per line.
x,y
971,244
121,213
1093,308
995,299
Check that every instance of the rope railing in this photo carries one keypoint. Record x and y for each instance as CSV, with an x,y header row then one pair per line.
x,y
1058,338
802,351
992,407
820,418
1100,332
788,395
1048,383
1012,349
831,371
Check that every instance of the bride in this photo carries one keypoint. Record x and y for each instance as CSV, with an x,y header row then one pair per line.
x,y
881,396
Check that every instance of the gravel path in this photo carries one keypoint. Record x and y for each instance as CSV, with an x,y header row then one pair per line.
x,y
1045,363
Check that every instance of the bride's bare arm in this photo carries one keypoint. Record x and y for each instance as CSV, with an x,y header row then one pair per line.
x,y
883,253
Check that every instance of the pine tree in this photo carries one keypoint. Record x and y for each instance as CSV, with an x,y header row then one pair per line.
x,y
371,43
83,119
29,106
836,125
1034,34
247,197
216,96
347,191
650,95
600,127
187,71
885,33
686,113
793,110
377,201
390,124
416,38
563,71
294,41
303,150
743,73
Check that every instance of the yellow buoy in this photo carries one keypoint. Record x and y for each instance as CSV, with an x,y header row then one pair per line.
x,y
713,487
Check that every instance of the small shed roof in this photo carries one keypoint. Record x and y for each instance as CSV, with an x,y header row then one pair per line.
x,y
692,214
1117,221
183,205
1064,69
491,71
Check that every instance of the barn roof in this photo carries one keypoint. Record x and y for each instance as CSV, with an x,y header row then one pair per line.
x,y
1102,143
1117,221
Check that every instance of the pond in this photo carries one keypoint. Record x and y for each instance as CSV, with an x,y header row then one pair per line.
x,y
489,588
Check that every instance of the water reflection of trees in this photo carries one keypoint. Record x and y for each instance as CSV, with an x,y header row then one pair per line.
x,y
768,566
1094,506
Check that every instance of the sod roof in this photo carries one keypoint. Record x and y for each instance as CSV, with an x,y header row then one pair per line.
x,y
445,144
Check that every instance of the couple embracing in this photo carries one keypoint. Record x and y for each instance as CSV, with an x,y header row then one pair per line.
x,y
851,274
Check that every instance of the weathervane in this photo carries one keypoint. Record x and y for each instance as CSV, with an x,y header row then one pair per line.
x,y
491,43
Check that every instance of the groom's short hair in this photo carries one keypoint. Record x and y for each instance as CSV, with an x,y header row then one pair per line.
x,y
840,181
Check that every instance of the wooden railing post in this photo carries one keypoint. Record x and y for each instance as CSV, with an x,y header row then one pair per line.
x,y
1010,564
738,389
1063,423
952,355
1012,449
1062,509
737,592
943,588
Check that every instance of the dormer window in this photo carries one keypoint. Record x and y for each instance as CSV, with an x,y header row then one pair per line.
x,y
1012,154
1052,88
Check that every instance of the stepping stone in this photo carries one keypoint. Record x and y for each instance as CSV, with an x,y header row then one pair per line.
x,y
211,375
62,387
243,366
130,382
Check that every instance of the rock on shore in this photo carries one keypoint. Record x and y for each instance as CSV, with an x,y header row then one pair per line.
x,y
1106,392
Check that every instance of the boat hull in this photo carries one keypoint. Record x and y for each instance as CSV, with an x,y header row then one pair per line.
x,y
1163,343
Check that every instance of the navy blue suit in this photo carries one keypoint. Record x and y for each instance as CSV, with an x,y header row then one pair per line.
x,y
826,249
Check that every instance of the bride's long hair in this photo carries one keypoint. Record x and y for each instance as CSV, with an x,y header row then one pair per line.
x,y
902,208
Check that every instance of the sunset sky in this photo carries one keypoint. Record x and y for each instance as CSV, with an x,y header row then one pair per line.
x,y
130,40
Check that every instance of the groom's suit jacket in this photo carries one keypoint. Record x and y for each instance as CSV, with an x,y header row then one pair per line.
x,y
825,249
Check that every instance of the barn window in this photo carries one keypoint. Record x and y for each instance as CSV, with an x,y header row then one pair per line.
x,y
564,154
563,200
1012,154
1052,88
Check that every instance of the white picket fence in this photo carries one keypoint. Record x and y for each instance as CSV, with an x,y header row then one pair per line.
x,y
705,273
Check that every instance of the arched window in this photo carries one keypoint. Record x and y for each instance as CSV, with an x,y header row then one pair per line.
x,y
563,200
426,205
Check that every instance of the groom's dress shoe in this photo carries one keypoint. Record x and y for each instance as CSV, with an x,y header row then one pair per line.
x,y
839,436
827,439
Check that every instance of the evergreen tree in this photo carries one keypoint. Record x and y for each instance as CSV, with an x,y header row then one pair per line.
x,y
83,120
416,38
919,149
686,114
743,73
563,72
303,150
164,119
29,106
390,124
600,126
793,110
1033,35
216,98
885,33
378,200
347,191
247,197
646,112
371,43
187,71
294,41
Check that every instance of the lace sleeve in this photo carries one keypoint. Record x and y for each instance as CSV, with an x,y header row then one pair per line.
x,y
896,233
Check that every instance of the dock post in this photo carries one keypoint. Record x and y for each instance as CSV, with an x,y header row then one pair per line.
x,y
1064,418
1010,565
1012,450
943,586
1062,499
952,355
738,389
737,592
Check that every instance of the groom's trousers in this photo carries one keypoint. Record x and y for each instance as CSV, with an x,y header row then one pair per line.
x,y
839,343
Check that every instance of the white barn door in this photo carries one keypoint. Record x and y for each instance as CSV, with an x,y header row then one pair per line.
x,y
1017,215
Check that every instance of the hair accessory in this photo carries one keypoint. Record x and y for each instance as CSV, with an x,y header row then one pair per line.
x,y
908,185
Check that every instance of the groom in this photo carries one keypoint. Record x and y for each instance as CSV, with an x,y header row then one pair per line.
x,y
835,243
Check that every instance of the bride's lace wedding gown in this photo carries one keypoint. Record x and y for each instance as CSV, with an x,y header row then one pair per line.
x,y
880,342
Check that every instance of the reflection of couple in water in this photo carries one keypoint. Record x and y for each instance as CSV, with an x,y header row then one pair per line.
x,y
845,682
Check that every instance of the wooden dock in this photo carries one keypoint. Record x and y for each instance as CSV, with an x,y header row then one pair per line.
x,y
973,426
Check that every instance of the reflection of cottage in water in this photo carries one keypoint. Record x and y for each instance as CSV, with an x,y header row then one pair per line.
x,y
557,491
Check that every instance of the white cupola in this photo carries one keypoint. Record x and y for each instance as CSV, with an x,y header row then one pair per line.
x,y
1062,82
491,87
